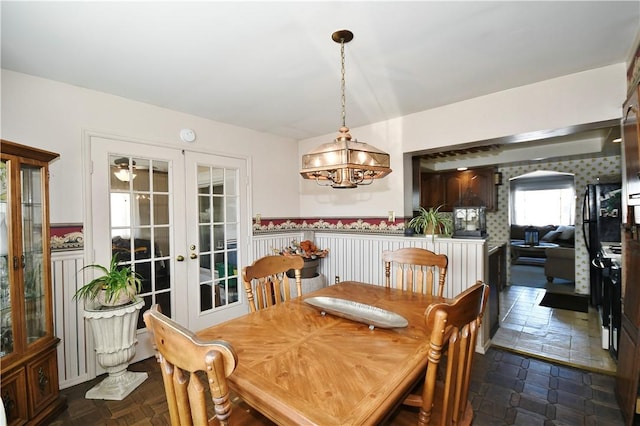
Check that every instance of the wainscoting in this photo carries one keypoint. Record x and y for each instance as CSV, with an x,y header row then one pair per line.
x,y
69,324
358,257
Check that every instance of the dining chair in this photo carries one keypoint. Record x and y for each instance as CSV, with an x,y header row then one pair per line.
x,y
414,270
443,396
266,282
189,366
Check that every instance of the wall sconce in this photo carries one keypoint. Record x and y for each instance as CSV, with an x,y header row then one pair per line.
x,y
497,178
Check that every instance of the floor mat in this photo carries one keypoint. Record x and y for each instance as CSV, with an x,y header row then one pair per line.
x,y
533,276
528,276
566,301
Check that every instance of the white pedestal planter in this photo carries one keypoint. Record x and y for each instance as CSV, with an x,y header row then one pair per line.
x,y
114,333
308,285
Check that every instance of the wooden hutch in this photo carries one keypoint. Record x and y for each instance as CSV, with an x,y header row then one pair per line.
x,y
29,367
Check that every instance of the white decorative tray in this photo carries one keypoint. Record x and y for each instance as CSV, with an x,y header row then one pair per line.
x,y
360,312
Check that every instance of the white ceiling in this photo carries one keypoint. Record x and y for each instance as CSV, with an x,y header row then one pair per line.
x,y
272,66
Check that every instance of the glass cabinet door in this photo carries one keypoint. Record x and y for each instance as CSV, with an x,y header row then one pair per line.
x,y
6,326
32,252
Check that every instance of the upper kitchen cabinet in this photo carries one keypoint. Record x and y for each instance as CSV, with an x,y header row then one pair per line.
x,y
29,371
473,187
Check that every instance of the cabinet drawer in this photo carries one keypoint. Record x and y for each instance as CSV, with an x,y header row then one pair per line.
x,y
14,397
42,380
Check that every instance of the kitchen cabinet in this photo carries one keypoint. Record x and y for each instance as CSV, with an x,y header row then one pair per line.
x,y
474,187
29,366
497,281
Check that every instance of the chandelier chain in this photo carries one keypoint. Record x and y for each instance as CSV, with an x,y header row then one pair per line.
x,y
343,99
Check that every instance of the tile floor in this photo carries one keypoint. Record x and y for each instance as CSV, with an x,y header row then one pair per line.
x,y
557,335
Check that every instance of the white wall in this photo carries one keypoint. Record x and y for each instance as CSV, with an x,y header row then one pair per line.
x,y
52,115
580,98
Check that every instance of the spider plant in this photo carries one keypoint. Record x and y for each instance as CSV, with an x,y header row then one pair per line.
x,y
117,283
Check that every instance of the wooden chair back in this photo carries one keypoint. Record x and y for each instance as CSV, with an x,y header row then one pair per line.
x,y
266,282
185,361
415,269
454,329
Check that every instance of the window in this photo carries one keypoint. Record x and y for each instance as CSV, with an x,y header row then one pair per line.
x,y
543,198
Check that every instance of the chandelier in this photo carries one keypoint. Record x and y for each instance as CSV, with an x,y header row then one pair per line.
x,y
344,163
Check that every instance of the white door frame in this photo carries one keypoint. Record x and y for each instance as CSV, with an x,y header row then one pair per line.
x,y
96,188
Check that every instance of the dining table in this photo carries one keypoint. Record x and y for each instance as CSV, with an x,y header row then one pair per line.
x,y
301,365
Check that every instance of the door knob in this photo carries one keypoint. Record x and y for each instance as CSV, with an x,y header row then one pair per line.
x,y
193,256
180,258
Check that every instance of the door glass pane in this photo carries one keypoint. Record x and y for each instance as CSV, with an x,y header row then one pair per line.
x,y
218,182
161,209
205,237
204,180
32,220
6,326
231,185
141,209
160,176
218,201
140,224
140,169
218,209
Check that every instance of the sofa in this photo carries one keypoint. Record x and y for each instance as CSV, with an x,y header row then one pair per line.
x,y
560,236
560,263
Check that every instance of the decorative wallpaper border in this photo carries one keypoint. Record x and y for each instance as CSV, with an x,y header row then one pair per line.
x,y
71,236
341,224
66,236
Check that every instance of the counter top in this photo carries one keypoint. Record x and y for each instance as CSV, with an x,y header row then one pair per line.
x,y
493,246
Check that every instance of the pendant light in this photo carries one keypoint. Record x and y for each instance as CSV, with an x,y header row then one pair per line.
x,y
344,163
123,172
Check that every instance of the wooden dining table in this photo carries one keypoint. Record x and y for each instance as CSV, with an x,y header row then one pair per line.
x,y
299,367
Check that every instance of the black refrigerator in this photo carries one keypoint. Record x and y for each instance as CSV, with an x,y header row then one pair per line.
x,y
601,219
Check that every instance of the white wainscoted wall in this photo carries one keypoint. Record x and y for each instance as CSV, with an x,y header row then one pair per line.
x,y
352,257
358,257
68,319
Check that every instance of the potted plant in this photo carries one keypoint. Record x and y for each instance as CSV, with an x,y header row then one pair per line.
x,y
113,321
117,286
432,222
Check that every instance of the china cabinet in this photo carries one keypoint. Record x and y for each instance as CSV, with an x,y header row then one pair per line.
x,y
29,367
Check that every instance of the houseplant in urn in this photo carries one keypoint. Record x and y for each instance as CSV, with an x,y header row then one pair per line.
x,y
309,252
112,308
117,285
432,222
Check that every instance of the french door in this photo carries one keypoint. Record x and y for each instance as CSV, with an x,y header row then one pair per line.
x,y
178,219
